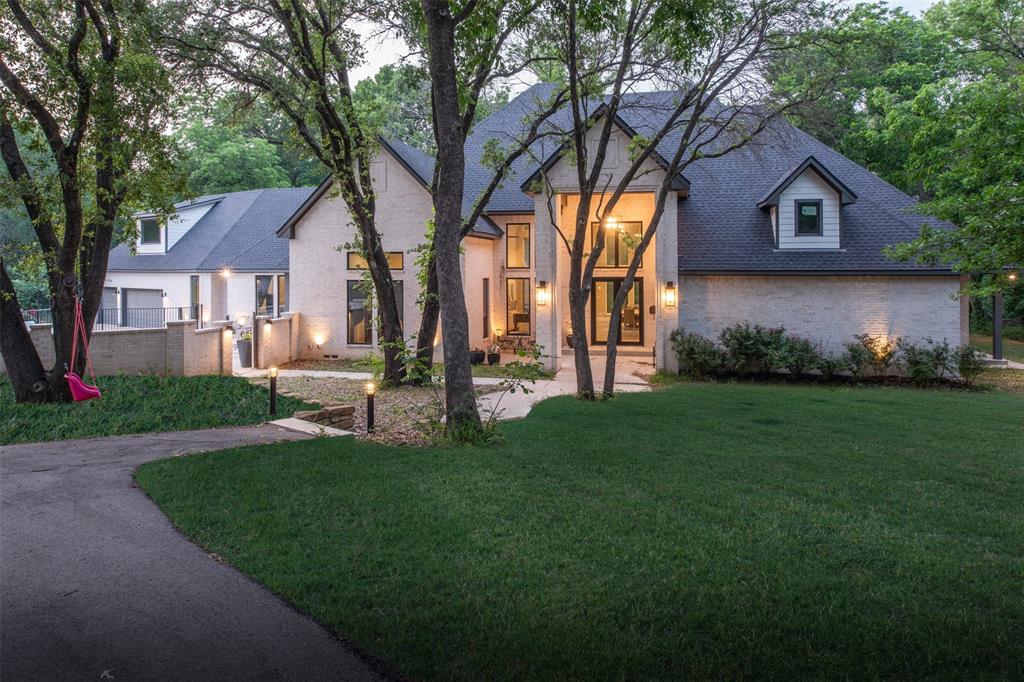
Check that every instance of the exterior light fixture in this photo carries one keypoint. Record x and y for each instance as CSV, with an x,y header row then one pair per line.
x,y
1012,276
498,331
371,390
273,391
543,294
267,327
668,296
225,272
318,339
611,223
241,320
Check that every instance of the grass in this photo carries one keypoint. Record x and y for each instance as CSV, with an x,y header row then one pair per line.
x,y
1012,350
700,531
139,404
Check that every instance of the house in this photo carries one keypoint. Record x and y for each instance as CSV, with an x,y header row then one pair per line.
x,y
218,257
783,232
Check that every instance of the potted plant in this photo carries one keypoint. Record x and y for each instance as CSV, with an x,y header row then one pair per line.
x,y
493,354
245,349
476,356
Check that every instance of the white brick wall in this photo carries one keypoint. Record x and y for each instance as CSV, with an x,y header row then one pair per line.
x,y
318,269
828,310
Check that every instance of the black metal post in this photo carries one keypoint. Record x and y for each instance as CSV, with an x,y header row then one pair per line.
x,y
273,394
997,326
369,411
255,342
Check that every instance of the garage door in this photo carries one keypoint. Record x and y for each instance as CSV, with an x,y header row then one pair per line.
x,y
142,308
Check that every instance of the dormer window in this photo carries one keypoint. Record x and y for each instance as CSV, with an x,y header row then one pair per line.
x,y
149,231
808,217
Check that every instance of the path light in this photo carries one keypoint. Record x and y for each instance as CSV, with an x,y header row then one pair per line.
x,y
543,295
668,296
371,390
273,391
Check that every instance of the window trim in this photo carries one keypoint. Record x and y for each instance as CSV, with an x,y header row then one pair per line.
x,y
350,254
142,233
529,308
348,326
529,247
796,218
593,243
277,294
270,291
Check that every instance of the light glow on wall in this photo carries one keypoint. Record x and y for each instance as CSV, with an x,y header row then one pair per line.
x,y
318,339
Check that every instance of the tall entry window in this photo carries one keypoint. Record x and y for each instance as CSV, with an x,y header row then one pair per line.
x,y
264,295
517,310
618,238
517,245
358,319
282,294
487,307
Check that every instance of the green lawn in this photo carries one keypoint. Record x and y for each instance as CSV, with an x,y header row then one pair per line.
x,y
1012,350
703,531
137,404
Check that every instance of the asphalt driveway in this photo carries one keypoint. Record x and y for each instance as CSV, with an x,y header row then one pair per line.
x,y
95,583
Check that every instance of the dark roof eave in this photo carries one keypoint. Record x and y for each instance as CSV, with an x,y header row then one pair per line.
x,y
846,195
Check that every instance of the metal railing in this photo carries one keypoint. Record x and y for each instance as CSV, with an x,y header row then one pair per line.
x,y
128,318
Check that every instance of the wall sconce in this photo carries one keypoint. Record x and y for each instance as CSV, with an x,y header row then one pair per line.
x,y
498,331
225,272
371,390
543,294
318,339
668,296
267,327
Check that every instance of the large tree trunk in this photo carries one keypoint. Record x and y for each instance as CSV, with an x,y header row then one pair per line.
x,y
580,344
463,418
428,325
25,370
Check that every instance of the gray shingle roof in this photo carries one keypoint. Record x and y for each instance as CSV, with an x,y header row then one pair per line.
x,y
239,232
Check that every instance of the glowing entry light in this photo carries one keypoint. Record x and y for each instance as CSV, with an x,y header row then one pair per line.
x,y
668,296
543,293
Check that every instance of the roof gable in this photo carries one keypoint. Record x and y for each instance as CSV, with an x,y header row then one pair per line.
x,y
846,195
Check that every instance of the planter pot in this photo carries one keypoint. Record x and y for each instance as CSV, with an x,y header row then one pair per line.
x,y
476,357
245,353
568,340
493,358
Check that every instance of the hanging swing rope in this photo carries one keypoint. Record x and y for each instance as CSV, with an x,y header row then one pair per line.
x,y
79,389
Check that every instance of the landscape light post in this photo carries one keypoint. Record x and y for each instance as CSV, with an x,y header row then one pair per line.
x,y
371,390
273,391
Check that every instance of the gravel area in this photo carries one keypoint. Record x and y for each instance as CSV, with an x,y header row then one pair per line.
x,y
401,414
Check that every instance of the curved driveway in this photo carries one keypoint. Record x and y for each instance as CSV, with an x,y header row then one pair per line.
x,y
95,583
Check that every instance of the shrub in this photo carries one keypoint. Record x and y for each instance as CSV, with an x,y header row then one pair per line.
x,y
831,365
924,363
857,360
798,355
699,358
879,353
968,363
753,348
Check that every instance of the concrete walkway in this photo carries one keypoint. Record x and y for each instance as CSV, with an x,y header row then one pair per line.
x,y
97,584
517,405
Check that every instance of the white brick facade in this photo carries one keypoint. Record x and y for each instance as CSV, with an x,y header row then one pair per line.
x,y
829,310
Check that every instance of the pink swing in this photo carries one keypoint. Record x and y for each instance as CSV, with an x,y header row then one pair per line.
x,y
79,389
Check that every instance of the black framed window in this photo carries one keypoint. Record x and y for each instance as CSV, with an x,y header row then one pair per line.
x,y
517,245
808,217
149,229
355,261
517,306
282,294
487,307
617,239
193,290
264,295
358,320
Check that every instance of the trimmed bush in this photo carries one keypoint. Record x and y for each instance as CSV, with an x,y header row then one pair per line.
x,y
831,365
924,363
753,349
968,363
699,358
798,355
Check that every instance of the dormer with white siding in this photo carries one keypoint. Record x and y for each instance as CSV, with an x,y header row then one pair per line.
x,y
158,234
805,208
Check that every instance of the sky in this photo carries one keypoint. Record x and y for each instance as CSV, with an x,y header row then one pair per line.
x,y
391,50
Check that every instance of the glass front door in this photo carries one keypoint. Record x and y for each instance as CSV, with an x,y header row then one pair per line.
x,y
631,326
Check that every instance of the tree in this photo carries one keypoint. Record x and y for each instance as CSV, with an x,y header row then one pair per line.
x,y
297,57
83,105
